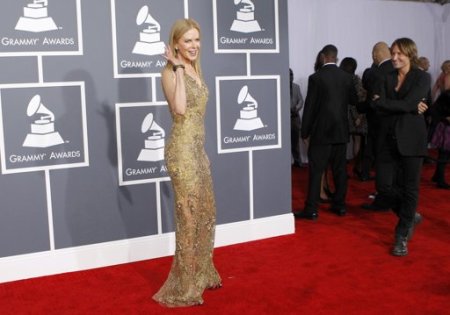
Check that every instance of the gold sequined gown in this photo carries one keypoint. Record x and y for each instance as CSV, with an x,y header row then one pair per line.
x,y
192,268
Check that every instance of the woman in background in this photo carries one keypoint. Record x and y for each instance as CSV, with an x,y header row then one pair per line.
x,y
441,137
357,122
442,82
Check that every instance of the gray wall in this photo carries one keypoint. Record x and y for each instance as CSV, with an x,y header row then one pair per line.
x,y
86,185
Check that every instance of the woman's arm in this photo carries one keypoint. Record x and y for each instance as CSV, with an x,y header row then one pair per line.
x,y
174,89
173,84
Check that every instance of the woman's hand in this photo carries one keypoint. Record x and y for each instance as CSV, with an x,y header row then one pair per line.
x,y
168,55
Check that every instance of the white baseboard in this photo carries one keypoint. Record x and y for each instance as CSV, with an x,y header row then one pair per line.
x,y
131,250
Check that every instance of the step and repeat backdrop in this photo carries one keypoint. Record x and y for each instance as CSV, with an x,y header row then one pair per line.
x,y
83,125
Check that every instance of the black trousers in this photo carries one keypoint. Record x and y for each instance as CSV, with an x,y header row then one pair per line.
x,y
319,156
404,174
386,174
368,156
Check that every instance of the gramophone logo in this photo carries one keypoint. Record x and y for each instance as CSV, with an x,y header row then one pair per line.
x,y
154,144
35,18
248,119
150,37
245,18
43,132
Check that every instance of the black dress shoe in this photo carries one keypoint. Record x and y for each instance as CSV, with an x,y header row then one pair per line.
x,y
308,215
372,206
339,211
400,246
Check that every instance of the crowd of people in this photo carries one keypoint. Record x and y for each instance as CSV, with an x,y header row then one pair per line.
x,y
393,115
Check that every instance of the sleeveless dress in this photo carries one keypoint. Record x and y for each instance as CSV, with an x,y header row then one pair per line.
x,y
192,268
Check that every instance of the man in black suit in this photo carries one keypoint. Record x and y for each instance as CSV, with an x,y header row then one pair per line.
x,y
402,138
381,56
325,126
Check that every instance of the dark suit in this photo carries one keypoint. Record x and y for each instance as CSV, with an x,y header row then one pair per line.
x,y
383,180
370,77
325,123
402,142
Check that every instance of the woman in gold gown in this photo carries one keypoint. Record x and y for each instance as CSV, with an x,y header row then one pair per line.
x,y
192,268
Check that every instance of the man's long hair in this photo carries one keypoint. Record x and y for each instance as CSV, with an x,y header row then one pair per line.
x,y
408,47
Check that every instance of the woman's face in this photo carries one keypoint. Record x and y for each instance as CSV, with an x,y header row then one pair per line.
x,y
188,46
446,68
399,59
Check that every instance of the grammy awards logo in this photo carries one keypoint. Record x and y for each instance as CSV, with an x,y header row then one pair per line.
x,y
43,132
149,38
245,18
35,18
154,144
248,119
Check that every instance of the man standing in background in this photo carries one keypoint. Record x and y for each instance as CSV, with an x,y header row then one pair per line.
x,y
325,126
381,55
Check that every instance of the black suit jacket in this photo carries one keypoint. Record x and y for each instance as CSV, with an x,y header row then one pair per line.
x,y
325,120
398,112
371,82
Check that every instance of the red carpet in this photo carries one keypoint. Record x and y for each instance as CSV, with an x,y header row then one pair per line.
x,y
337,265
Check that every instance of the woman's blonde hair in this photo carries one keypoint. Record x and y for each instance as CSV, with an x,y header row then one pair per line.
x,y
179,28
408,47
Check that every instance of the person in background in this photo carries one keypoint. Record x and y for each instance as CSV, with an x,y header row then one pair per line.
x,y
296,106
424,63
441,138
357,121
381,56
325,125
186,93
402,138
326,193
442,83
368,158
